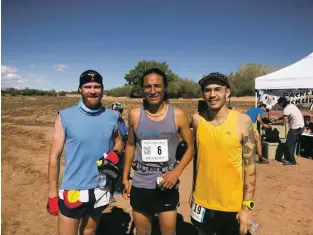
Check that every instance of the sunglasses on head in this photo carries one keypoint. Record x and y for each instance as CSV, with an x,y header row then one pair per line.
x,y
219,75
91,76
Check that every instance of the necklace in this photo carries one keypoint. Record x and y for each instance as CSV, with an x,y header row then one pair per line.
x,y
157,115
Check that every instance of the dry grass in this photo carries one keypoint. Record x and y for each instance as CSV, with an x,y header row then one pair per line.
x,y
27,127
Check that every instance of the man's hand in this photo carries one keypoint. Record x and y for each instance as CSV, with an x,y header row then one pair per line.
x,y
126,190
112,157
245,219
169,179
190,199
273,120
266,126
53,206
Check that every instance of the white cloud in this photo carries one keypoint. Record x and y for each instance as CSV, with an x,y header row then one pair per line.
x,y
60,67
7,70
9,78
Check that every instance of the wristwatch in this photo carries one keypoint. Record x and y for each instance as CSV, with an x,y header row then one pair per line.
x,y
250,204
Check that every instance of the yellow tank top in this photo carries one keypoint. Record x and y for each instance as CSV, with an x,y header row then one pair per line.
x,y
219,184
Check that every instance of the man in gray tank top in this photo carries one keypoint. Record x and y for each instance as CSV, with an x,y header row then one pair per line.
x,y
151,149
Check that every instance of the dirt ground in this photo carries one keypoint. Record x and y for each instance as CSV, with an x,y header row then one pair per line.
x,y
283,195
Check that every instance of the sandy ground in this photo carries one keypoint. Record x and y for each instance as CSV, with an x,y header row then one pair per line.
x,y
283,195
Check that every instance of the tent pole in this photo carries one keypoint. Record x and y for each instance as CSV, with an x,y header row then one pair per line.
x,y
256,98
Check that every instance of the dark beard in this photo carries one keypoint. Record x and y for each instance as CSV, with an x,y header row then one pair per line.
x,y
88,105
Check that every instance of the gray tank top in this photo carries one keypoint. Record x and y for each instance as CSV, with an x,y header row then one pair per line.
x,y
156,144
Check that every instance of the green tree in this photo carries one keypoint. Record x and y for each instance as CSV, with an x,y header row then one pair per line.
x,y
243,81
173,89
189,89
134,76
119,91
62,93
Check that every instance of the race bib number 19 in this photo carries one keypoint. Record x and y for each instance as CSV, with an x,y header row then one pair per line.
x,y
154,150
197,212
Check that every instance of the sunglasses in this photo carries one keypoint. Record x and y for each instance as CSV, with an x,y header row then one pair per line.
x,y
219,75
91,76
218,89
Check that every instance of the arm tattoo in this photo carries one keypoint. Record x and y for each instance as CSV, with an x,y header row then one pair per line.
x,y
249,147
249,151
245,188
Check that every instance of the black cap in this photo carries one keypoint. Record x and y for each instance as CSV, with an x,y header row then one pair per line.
x,y
281,100
90,76
215,75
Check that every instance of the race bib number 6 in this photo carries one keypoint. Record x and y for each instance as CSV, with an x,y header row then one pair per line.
x,y
154,150
197,212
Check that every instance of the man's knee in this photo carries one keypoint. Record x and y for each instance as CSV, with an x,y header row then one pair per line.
x,y
143,227
168,232
168,222
143,230
291,142
88,225
89,230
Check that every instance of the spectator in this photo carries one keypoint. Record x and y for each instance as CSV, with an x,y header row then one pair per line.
x,y
308,126
306,142
117,183
294,118
255,116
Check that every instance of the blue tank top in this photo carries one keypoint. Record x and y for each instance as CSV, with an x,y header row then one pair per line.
x,y
87,138
253,113
149,130
123,131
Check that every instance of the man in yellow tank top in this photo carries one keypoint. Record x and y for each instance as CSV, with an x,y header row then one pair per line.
x,y
225,171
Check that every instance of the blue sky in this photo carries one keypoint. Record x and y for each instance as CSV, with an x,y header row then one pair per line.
x,y
47,44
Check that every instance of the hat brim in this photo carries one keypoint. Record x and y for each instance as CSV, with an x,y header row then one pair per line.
x,y
204,80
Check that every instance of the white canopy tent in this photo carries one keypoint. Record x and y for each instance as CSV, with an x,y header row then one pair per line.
x,y
296,76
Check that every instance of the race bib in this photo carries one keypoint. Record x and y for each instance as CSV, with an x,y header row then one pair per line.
x,y
102,197
197,212
154,150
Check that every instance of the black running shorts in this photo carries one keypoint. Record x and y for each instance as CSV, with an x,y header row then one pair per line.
x,y
85,209
153,201
218,222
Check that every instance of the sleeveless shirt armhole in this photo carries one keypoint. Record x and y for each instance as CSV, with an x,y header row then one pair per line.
x,y
237,120
140,116
63,122
197,131
173,115
116,125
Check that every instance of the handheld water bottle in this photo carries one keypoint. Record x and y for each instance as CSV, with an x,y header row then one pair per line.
x,y
102,178
254,228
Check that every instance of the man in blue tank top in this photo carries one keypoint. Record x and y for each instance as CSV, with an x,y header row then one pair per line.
x,y
117,183
85,130
150,149
255,115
